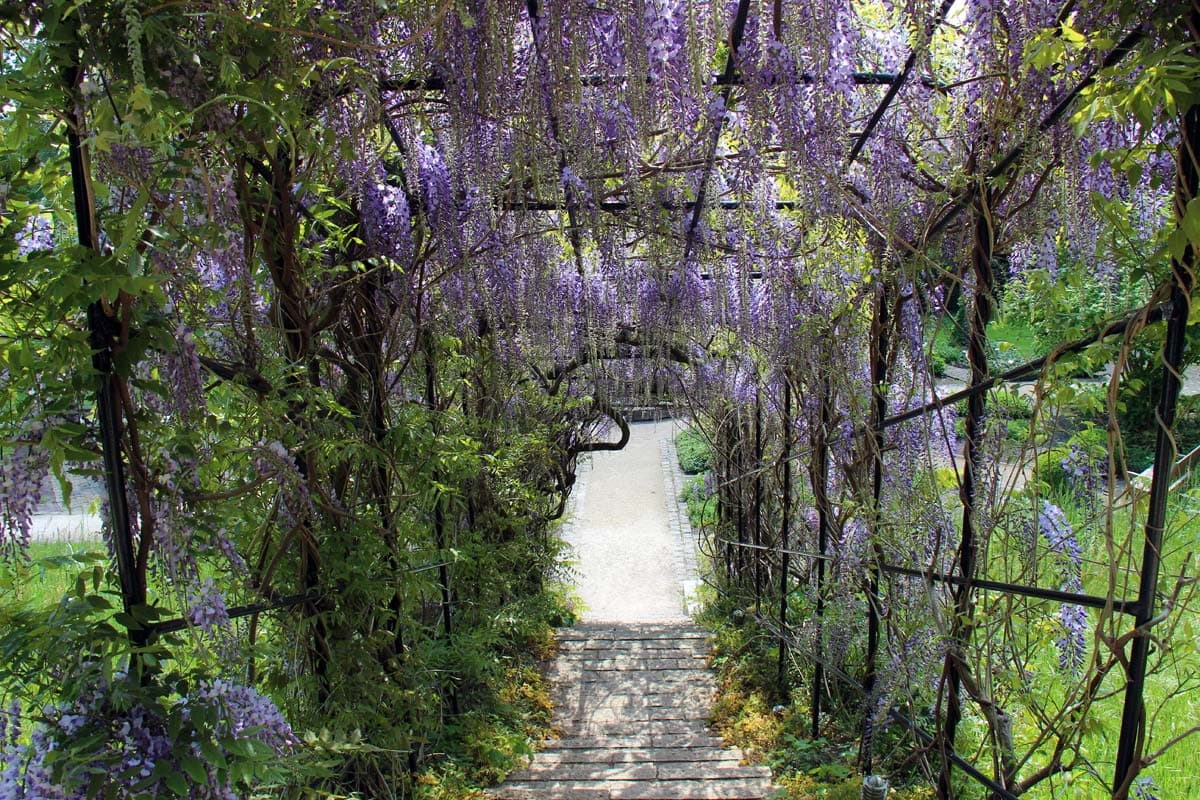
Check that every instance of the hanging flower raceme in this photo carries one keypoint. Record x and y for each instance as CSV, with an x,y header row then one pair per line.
x,y
1052,523
38,234
185,386
666,37
22,475
386,219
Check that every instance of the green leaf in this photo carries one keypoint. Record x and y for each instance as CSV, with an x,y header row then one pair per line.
x,y
1190,223
176,783
1177,243
139,98
213,753
1072,36
194,768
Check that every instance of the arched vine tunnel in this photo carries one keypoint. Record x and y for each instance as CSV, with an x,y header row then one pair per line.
x,y
332,297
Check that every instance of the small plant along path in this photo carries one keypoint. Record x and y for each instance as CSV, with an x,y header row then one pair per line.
x,y
632,689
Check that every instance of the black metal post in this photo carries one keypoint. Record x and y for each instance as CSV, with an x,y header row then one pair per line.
x,y
819,476
758,498
1133,717
784,530
739,489
103,330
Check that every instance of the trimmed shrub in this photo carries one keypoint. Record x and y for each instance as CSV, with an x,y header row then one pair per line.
x,y
695,456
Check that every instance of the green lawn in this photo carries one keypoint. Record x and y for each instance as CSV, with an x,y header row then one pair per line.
x,y
1015,344
52,570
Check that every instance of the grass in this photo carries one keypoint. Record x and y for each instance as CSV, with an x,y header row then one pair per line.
x,y
1015,344
701,506
1139,442
1170,696
51,570
944,350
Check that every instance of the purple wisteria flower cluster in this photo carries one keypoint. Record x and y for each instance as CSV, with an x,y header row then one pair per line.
x,y
206,606
143,749
387,219
665,34
1084,473
273,462
910,661
21,478
1144,788
38,234
184,380
1072,645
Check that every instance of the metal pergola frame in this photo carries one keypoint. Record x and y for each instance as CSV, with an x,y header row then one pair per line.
x,y
1173,312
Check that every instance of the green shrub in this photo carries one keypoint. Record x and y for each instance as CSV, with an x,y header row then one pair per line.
x,y
695,456
1018,430
1048,467
937,365
701,506
944,349
1009,403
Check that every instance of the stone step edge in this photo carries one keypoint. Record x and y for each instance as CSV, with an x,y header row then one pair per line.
x,y
660,755
732,789
675,771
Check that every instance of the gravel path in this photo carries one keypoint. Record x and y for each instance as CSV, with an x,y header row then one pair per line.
x,y
625,543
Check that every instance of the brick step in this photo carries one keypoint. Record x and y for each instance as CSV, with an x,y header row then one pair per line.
x,y
631,645
641,632
665,682
654,727
638,755
572,696
632,703
731,789
654,660
617,714
670,771
641,741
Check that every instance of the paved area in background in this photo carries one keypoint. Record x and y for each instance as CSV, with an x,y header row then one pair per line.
x,y
54,520
621,534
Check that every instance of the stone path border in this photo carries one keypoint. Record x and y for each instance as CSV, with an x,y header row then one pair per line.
x,y
686,542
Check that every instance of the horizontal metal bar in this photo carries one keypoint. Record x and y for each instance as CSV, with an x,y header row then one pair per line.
x,y
1148,315
1074,598
613,206
178,624
957,760
435,83
780,550
1092,601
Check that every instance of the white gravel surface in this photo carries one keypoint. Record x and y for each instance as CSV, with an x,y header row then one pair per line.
x,y
623,545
